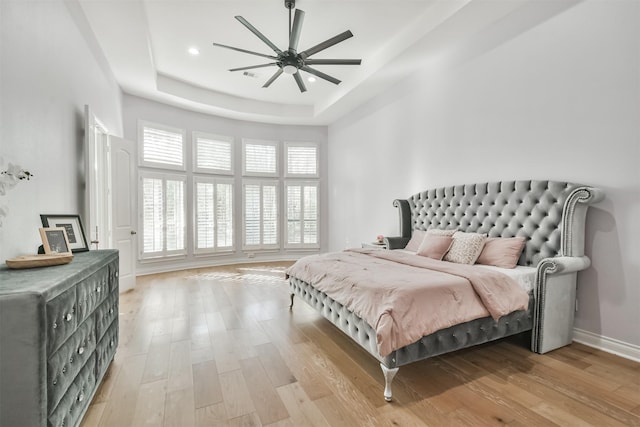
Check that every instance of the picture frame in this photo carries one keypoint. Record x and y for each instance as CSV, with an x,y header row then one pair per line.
x,y
73,227
55,241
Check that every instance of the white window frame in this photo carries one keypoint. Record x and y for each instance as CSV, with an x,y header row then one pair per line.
x,y
141,125
221,138
216,248
275,144
261,246
301,244
286,159
164,253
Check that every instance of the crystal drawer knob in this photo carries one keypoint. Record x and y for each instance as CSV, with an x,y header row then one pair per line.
x,y
81,350
80,397
111,311
111,344
68,317
55,325
98,290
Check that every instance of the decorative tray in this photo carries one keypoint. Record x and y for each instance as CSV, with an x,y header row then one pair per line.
x,y
45,260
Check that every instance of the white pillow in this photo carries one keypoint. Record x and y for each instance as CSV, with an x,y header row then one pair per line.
x,y
465,248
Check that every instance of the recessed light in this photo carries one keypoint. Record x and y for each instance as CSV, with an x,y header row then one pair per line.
x,y
194,51
311,79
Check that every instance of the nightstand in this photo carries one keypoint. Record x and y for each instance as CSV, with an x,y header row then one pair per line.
x,y
374,245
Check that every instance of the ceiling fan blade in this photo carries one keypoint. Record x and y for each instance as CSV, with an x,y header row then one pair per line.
x,y
326,44
298,79
320,74
273,78
253,66
333,61
245,51
298,19
258,34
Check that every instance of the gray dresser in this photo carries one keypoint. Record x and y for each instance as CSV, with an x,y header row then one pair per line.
x,y
58,334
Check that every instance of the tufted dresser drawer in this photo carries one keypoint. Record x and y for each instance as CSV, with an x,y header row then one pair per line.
x,y
58,335
61,319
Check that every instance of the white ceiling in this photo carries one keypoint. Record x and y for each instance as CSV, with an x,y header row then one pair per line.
x,y
146,43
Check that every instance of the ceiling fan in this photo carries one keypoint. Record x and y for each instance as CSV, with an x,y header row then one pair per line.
x,y
290,61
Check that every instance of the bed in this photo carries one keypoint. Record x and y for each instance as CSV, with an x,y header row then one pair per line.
x,y
547,216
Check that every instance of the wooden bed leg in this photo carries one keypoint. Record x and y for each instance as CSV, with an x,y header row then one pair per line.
x,y
291,305
388,377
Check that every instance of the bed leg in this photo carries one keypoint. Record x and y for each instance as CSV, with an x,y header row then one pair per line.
x,y
388,377
291,305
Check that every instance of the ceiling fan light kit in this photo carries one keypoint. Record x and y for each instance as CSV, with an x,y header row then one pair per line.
x,y
290,61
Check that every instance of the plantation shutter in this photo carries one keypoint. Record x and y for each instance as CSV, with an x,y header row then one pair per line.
x,y
163,215
302,214
162,147
270,215
175,224
213,155
214,216
302,160
152,216
261,215
204,215
252,228
310,235
260,159
224,215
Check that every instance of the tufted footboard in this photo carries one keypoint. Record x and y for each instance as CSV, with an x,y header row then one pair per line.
x,y
460,336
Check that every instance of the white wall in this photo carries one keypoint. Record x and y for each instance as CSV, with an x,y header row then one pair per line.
x,y
136,108
48,73
559,99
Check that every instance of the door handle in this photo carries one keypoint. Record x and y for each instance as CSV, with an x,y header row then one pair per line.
x,y
133,232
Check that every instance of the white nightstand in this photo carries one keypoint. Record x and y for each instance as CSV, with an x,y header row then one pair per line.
x,y
374,245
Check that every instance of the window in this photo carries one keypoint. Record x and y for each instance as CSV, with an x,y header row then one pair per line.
x,y
213,201
302,215
203,196
302,159
260,214
259,158
162,146
163,215
213,153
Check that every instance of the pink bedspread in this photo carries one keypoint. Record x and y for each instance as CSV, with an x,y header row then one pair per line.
x,y
405,297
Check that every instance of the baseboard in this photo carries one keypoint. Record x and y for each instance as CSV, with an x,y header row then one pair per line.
x,y
610,345
166,266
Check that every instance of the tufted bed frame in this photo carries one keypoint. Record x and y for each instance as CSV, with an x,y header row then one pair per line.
x,y
549,214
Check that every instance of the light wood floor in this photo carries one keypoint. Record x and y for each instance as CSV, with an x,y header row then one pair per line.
x,y
219,347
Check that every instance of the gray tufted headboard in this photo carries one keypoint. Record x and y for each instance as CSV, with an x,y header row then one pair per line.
x,y
549,214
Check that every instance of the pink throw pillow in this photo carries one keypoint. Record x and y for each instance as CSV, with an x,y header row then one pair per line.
x,y
416,239
501,251
434,246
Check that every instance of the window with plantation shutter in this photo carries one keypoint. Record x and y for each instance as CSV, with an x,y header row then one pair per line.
x,y
162,146
302,159
260,215
163,215
301,215
259,158
213,199
212,153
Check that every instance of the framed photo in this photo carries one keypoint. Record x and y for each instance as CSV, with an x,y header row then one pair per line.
x,y
55,241
72,225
